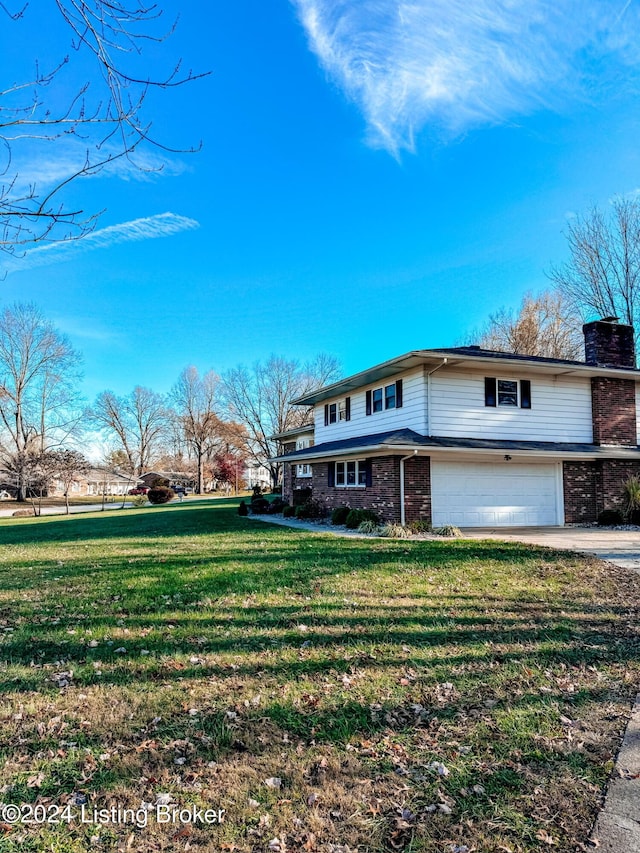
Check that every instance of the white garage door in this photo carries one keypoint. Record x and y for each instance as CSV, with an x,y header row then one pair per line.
x,y
487,494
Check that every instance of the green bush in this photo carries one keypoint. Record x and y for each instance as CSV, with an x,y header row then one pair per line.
x,y
357,516
339,514
610,518
242,509
259,506
160,495
277,505
138,500
311,509
289,512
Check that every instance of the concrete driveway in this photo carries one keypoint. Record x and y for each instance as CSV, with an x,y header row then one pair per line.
x,y
620,547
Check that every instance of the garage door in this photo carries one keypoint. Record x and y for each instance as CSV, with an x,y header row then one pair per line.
x,y
487,494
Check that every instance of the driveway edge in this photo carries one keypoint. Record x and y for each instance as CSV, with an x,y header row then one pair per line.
x,y
618,825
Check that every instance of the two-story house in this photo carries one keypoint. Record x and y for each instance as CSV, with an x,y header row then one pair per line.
x,y
476,438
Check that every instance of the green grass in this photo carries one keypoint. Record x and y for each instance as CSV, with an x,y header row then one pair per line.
x,y
351,669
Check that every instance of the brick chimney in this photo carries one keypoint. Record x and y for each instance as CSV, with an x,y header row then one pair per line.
x,y
608,343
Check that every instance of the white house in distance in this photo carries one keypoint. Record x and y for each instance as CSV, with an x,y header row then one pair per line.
x,y
476,438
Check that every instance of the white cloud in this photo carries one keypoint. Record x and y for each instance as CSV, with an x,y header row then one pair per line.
x,y
149,228
456,64
42,164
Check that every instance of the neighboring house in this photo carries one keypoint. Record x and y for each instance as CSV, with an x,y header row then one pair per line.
x,y
477,438
97,481
299,476
256,475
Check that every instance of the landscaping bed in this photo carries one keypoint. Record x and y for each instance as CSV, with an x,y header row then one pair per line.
x,y
329,694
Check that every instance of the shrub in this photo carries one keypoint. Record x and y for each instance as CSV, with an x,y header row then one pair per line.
x,y
357,516
394,531
610,518
301,496
242,509
276,490
311,509
259,506
448,530
160,483
419,526
368,527
289,511
339,515
277,505
631,495
160,495
257,491
138,500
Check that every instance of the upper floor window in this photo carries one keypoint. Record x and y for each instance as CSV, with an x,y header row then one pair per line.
x,y
507,392
339,411
386,397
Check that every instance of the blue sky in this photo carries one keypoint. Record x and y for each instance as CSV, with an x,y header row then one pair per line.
x,y
375,176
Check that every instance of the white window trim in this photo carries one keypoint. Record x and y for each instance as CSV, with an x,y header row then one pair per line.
x,y
346,485
507,405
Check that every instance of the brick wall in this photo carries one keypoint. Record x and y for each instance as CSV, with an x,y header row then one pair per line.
x,y
417,489
614,410
580,492
591,487
383,496
614,472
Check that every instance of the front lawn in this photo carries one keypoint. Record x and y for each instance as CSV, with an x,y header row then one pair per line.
x,y
329,694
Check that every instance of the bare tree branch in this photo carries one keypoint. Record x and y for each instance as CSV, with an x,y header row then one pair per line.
x,y
104,116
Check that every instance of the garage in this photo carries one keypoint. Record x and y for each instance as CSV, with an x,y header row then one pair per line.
x,y
496,494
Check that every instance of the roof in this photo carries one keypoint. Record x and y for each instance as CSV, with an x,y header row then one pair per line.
x,y
408,440
456,356
291,433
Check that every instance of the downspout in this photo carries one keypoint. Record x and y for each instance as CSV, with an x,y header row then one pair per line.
x,y
402,461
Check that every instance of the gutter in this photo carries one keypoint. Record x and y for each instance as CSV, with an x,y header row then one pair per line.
x,y
402,461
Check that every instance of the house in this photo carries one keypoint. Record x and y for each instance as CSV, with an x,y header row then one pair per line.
x,y
476,438
256,474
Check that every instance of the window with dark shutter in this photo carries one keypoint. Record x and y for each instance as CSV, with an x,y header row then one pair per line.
x,y
525,394
326,414
368,403
331,474
398,393
489,391
347,408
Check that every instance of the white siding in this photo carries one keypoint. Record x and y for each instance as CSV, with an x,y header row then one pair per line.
x,y
412,414
560,408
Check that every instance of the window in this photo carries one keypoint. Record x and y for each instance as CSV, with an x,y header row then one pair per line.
x,y
350,474
340,411
303,470
507,392
390,396
381,399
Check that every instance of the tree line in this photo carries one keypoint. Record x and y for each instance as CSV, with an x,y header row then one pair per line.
x,y
208,426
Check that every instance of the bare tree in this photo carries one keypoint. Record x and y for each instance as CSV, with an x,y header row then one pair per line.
x,y
99,119
260,399
195,400
544,325
64,465
38,382
602,275
138,422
